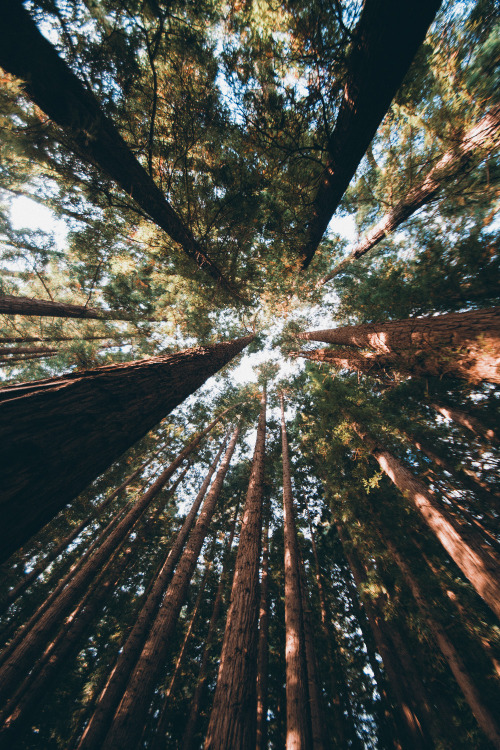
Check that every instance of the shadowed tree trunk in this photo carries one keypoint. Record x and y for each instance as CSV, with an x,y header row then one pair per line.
x,y
464,419
52,85
460,158
233,719
129,719
10,305
27,350
298,735
49,338
59,434
129,653
384,44
263,648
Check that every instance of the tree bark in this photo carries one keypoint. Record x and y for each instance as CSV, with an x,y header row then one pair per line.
x,y
112,692
46,339
464,419
15,350
297,713
59,434
384,44
127,726
11,305
263,647
232,722
52,86
480,568
460,158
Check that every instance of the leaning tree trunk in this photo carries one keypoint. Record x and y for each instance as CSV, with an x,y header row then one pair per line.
x,y
298,730
481,139
11,305
232,721
27,349
46,339
57,435
480,568
464,419
130,716
52,86
112,692
384,43
263,648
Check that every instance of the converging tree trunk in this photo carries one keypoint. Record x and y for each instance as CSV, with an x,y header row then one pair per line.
x,y
384,44
10,305
481,139
232,721
57,435
263,648
464,419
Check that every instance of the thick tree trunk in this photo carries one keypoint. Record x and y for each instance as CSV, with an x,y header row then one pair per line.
x,y
474,144
232,721
464,419
263,648
51,84
480,568
10,305
127,726
297,714
129,653
59,434
384,44
190,730
33,636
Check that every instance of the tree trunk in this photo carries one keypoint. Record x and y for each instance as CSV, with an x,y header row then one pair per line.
x,y
464,419
129,653
127,726
46,339
59,434
189,732
34,635
8,361
27,350
51,84
233,718
384,44
10,305
263,647
480,568
475,143
297,714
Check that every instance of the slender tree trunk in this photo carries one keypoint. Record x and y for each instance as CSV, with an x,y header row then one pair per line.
x,y
464,419
51,84
473,145
57,435
384,44
27,349
130,715
233,718
263,647
46,339
480,568
189,731
116,683
38,629
7,361
12,305
297,714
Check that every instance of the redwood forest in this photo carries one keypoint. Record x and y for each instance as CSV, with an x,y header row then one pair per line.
x,y
250,375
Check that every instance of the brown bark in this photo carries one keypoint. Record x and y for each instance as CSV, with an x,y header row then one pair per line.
x,y
27,350
129,653
10,305
479,567
34,635
459,159
384,43
8,361
464,419
263,647
57,435
52,86
232,721
297,714
130,715
46,339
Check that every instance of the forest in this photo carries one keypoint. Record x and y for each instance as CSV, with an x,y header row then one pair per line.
x,y
250,370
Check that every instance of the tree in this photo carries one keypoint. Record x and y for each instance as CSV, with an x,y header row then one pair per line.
x,y
28,306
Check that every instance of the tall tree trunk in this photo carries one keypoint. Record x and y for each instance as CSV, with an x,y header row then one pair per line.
x,y
12,305
33,636
57,435
50,338
7,361
480,568
298,736
232,721
190,730
52,85
27,349
384,44
130,715
263,647
129,653
464,419
461,157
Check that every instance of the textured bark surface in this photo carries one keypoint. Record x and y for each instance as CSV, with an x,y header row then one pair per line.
x,y
385,41
10,305
480,139
263,648
57,435
232,721
480,568
115,685
297,725
45,339
129,719
52,85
